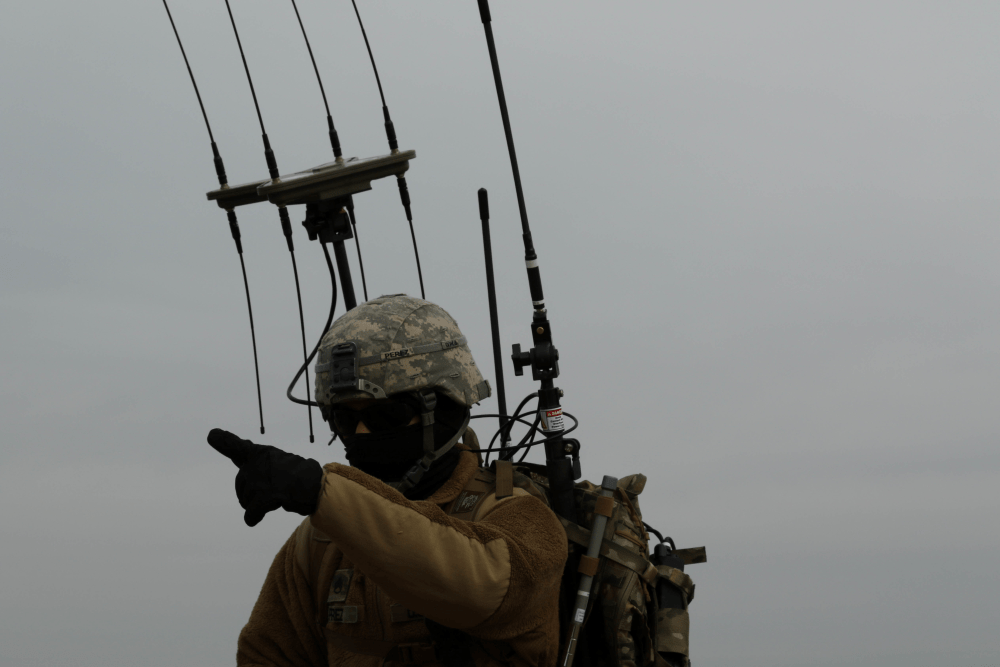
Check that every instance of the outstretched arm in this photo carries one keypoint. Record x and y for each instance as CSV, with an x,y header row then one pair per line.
x,y
496,577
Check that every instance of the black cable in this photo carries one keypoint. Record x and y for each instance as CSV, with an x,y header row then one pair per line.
x,y
527,448
517,413
329,321
491,448
528,445
654,531
302,328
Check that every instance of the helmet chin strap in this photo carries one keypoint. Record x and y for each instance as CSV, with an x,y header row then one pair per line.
x,y
428,401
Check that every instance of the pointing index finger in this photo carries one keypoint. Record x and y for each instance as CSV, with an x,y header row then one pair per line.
x,y
229,445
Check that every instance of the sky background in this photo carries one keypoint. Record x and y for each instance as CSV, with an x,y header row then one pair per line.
x,y
768,236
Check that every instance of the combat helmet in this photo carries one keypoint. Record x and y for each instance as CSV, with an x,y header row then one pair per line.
x,y
400,345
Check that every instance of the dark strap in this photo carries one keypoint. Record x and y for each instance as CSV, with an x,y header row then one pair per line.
x,y
505,479
375,647
412,653
407,653
588,566
454,646
633,561
604,506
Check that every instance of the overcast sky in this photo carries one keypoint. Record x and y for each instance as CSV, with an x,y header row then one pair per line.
x,y
768,234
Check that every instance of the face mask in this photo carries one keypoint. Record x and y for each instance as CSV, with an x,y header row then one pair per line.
x,y
386,455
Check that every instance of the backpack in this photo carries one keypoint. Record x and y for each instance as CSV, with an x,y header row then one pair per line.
x,y
624,625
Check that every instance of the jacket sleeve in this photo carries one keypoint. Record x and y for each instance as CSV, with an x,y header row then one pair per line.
x,y
282,630
497,578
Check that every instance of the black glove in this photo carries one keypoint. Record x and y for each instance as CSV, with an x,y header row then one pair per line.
x,y
269,478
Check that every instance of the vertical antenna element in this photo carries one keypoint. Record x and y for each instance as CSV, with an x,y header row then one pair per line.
x,y
272,166
334,138
491,291
234,227
530,258
286,225
390,134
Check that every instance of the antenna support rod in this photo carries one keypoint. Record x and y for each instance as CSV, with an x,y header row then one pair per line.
x,y
491,291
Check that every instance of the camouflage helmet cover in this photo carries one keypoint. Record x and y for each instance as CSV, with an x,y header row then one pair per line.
x,y
404,344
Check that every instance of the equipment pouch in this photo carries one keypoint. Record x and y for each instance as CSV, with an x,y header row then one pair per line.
x,y
673,624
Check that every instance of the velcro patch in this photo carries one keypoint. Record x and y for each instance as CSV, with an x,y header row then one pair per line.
x,y
467,501
342,614
339,586
400,614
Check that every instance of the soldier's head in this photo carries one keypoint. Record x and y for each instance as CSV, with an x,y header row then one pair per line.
x,y
395,380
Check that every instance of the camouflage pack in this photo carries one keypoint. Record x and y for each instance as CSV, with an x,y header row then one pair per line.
x,y
624,626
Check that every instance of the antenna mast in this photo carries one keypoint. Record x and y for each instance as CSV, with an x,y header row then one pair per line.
x,y
561,454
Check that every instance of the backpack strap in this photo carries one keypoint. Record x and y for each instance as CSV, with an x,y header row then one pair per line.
x,y
633,561
406,653
475,493
504,479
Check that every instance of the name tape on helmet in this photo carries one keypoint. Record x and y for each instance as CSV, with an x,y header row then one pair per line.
x,y
396,354
411,351
401,353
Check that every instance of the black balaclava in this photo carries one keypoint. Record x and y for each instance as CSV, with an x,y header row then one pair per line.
x,y
390,454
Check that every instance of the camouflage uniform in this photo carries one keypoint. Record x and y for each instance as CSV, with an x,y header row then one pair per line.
x,y
374,578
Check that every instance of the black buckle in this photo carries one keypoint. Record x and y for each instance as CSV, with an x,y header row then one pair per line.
x,y
414,653
344,366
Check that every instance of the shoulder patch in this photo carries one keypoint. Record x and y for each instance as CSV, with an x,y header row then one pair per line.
x,y
466,501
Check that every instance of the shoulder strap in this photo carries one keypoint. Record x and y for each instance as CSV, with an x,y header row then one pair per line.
x,y
476,490
504,479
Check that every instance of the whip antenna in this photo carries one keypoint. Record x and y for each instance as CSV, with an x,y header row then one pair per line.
x,y
561,454
334,138
234,226
390,134
491,292
286,224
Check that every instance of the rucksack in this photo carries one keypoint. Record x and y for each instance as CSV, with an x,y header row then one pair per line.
x,y
624,625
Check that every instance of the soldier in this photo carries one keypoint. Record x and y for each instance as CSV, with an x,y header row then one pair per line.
x,y
413,554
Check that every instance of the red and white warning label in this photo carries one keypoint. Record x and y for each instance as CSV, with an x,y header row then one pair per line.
x,y
552,420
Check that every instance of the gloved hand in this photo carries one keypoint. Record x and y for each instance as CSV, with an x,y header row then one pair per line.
x,y
269,478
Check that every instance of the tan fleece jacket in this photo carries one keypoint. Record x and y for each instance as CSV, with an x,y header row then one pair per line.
x,y
359,574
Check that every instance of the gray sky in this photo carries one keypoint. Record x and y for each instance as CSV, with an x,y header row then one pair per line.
x,y
768,238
